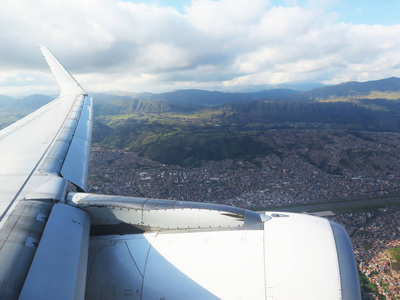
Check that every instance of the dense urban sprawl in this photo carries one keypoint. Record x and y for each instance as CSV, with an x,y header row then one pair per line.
x,y
345,167
374,235
302,171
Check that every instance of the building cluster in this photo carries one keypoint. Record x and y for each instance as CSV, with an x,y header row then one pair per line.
x,y
346,167
374,236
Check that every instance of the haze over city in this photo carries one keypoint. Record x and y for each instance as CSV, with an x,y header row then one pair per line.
x,y
230,45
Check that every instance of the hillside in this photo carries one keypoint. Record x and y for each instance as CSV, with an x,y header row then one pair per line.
x,y
121,105
208,98
365,114
171,129
177,101
172,134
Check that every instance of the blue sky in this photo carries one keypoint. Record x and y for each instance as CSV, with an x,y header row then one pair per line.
x,y
384,12
230,45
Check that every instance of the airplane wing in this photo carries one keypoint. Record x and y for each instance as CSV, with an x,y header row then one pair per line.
x,y
56,244
39,155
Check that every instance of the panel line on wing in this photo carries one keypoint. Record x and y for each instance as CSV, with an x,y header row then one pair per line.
x,y
134,261
147,258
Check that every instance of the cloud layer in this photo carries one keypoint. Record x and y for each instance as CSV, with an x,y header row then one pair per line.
x,y
116,45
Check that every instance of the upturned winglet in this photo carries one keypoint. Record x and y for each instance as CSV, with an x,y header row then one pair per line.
x,y
66,81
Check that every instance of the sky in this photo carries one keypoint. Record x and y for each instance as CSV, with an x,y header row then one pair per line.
x,y
230,45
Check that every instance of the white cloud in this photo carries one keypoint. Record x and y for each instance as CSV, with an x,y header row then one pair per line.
x,y
215,43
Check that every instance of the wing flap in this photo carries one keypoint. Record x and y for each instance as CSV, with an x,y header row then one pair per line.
x,y
58,270
69,154
79,150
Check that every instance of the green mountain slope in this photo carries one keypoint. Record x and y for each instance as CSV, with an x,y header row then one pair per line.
x,y
115,105
376,115
198,97
208,98
174,134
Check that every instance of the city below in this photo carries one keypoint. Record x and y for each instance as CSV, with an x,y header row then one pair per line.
x,y
348,166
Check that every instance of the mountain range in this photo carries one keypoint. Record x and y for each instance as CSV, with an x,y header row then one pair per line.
x,y
188,126
192,99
